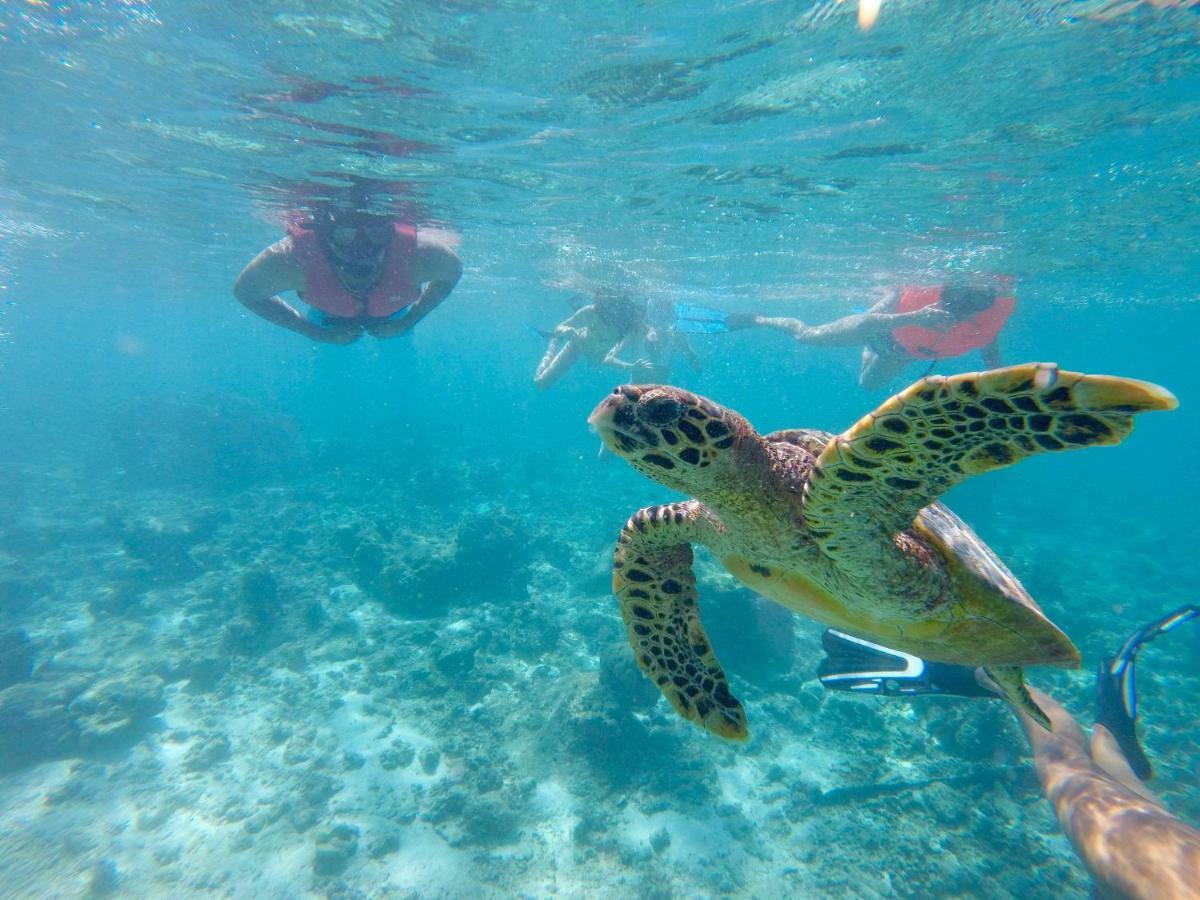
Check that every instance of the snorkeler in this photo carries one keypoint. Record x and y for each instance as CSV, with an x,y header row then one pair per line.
x,y
1130,844
600,332
358,272
910,323
664,339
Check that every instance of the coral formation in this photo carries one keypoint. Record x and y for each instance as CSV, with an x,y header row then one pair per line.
x,y
430,703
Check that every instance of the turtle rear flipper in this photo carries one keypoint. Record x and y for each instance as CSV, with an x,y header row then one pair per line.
x,y
654,582
1010,681
870,481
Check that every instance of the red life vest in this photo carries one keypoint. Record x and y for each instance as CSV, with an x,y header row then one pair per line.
x,y
397,286
971,333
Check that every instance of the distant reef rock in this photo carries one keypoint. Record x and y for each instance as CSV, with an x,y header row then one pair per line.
x,y
487,556
218,442
56,718
16,657
161,546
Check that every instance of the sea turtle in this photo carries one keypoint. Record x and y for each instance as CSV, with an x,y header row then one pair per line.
x,y
845,529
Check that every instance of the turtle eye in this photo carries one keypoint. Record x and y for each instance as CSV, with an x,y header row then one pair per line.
x,y
661,410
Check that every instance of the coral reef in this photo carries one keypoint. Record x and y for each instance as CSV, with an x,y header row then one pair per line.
x,y
16,657
382,696
486,554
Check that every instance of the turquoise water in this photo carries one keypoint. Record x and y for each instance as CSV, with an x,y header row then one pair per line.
x,y
309,620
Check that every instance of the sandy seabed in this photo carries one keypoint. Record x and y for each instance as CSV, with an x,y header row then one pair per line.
x,y
289,692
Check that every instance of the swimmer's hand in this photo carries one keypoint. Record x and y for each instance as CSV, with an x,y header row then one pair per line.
x,y
389,328
341,336
333,332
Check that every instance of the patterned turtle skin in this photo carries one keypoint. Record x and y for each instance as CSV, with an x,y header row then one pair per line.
x,y
845,528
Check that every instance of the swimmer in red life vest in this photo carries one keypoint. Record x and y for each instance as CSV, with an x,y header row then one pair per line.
x,y
911,323
358,273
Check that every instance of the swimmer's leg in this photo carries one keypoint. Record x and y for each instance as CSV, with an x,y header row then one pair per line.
x,y
561,354
879,368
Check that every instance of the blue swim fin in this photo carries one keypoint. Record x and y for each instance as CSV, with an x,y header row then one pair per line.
x,y
864,667
1116,688
544,335
699,319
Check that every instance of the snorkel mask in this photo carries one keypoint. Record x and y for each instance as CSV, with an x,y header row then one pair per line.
x,y
354,236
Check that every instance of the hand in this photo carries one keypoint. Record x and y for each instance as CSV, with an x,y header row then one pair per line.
x,y
388,328
337,332
929,317
341,336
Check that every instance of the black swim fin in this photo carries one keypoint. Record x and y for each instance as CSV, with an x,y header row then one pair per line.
x,y
544,335
863,667
1116,689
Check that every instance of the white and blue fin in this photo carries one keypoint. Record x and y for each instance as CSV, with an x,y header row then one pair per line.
x,y
860,666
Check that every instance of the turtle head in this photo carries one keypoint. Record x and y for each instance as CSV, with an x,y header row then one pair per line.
x,y
678,439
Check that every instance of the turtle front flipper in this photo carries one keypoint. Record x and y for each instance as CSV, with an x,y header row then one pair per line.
x,y
870,481
653,580
1010,681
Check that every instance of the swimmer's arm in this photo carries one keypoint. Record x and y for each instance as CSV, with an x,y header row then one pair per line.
x,y
852,329
257,288
859,327
613,356
690,354
848,330
794,327
438,265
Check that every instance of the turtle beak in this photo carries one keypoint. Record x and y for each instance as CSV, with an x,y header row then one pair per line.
x,y
603,413
602,418
611,414
615,408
